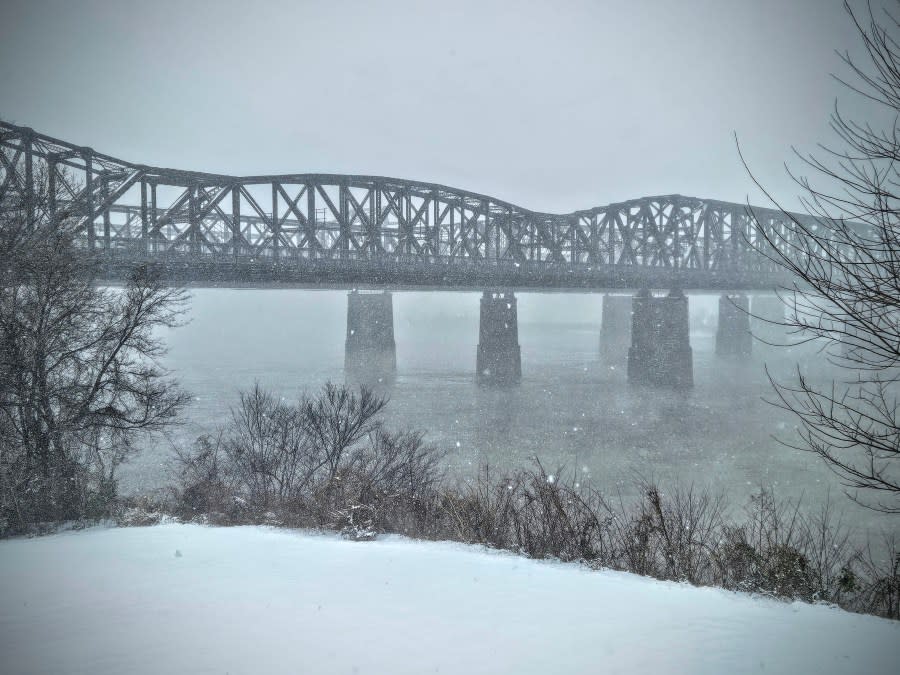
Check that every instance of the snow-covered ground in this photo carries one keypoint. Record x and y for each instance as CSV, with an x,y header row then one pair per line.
x,y
186,599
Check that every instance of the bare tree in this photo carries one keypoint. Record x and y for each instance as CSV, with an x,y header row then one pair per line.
x,y
338,419
79,364
845,263
326,459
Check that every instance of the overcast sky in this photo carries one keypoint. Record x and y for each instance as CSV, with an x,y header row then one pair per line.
x,y
551,105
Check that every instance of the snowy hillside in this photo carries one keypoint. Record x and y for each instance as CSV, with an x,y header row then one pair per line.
x,y
185,599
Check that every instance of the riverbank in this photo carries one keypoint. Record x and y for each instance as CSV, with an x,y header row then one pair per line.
x,y
188,598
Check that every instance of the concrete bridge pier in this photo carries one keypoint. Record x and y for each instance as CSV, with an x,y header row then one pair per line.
x,y
615,327
660,352
499,359
733,336
370,353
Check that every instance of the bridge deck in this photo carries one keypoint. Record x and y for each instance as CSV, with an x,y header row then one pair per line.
x,y
446,274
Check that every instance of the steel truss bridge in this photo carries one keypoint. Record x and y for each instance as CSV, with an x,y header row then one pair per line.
x,y
344,231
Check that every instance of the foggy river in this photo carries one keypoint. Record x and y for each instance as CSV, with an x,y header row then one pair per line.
x,y
572,410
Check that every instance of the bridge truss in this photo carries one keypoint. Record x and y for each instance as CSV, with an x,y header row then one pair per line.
x,y
327,229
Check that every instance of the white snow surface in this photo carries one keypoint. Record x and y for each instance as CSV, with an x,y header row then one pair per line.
x,y
260,600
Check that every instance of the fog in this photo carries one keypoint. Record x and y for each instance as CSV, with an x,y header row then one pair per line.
x,y
574,409
553,106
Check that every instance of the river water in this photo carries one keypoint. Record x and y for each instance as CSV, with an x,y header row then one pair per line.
x,y
573,411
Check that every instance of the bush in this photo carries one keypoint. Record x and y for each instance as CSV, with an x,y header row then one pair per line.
x,y
328,462
320,462
878,587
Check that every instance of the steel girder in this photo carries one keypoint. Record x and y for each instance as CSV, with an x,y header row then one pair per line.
x,y
135,212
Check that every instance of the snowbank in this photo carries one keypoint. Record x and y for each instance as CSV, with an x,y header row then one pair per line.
x,y
186,598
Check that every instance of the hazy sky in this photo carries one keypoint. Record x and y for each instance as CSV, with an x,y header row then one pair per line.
x,y
551,105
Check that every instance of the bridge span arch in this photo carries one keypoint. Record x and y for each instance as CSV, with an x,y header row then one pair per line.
x,y
349,230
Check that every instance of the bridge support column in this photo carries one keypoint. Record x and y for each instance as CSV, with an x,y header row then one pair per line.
x,y
370,353
660,352
499,359
767,320
733,336
615,326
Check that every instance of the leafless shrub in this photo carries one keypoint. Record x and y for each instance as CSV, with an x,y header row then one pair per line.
x,y
398,475
481,510
670,536
328,462
772,547
830,556
335,421
554,518
319,462
141,511
266,449
532,512
762,553
204,480
877,588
